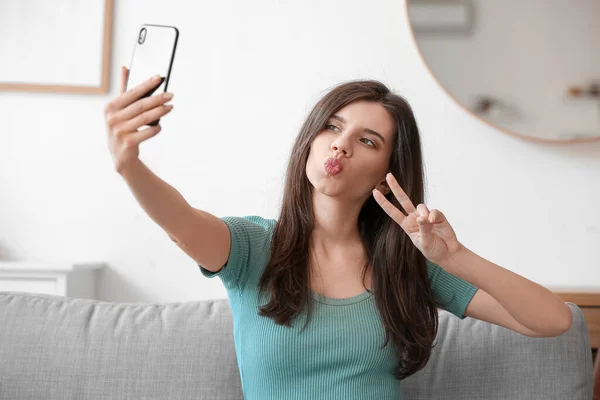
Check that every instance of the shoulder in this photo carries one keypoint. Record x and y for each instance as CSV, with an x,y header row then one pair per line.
x,y
251,223
250,230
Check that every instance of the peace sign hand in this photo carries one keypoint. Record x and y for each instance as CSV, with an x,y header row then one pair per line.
x,y
429,231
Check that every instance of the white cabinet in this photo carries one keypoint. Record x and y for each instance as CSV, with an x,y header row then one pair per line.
x,y
76,279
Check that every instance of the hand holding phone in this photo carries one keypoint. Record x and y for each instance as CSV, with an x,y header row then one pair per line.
x,y
153,54
129,111
133,116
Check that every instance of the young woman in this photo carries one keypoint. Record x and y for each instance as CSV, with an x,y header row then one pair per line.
x,y
338,297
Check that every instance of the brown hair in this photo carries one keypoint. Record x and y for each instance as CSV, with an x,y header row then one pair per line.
x,y
400,280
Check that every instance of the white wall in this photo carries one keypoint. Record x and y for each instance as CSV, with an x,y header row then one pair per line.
x,y
245,76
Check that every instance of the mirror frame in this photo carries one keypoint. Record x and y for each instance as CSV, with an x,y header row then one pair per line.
x,y
468,111
105,74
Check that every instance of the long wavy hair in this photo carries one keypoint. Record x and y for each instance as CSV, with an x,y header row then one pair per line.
x,y
401,287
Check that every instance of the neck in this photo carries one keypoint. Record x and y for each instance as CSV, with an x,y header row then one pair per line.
x,y
335,223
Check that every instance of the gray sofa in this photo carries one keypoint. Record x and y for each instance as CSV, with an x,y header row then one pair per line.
x,y
54,347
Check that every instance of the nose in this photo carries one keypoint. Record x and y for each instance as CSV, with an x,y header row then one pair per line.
x,y
341,145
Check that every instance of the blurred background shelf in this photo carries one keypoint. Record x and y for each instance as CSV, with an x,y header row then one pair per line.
x,y
71,279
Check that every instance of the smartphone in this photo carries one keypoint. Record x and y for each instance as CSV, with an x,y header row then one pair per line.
x,y
153,54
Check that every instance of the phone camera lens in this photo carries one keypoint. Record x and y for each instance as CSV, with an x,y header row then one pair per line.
x,y
142,36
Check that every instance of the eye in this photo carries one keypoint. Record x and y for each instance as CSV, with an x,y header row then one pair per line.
x,y
372,144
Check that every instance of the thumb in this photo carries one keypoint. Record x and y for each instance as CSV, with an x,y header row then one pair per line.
x,y
124,75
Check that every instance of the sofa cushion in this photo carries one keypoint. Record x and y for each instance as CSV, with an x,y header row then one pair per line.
x,y
54,347
476,360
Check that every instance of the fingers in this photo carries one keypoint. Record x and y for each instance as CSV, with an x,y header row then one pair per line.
x,y
423,220
128,117
423,212
145,118
138,137
436,217
135,94
388,207
402,197
124,75
141,106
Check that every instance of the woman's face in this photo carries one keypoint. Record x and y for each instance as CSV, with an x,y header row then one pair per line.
x,y
360,135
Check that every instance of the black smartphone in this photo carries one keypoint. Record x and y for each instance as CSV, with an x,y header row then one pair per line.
x,y
153,54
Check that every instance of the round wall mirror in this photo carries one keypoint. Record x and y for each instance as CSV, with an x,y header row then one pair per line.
x,y
529,68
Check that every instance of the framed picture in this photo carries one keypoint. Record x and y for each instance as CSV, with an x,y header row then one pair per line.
x,y
55,46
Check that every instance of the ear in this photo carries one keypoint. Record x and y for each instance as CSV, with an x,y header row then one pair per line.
x,y
383,187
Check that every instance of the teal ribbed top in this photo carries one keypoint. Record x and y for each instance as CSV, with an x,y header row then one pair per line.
x,y
338,356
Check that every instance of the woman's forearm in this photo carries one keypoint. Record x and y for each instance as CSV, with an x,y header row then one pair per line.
x,y
162,202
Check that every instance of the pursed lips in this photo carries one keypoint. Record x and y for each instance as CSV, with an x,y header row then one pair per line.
x,y
333,166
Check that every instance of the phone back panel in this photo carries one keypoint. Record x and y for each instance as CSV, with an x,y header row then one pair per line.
x,y
153,55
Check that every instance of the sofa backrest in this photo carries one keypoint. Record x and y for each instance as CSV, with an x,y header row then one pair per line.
x,y
55,347
474,359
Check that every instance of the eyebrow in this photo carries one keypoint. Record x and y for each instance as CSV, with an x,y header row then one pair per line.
x,y
371,131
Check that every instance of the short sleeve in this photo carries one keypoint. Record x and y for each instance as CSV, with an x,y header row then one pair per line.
x,y
250,237
452,293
